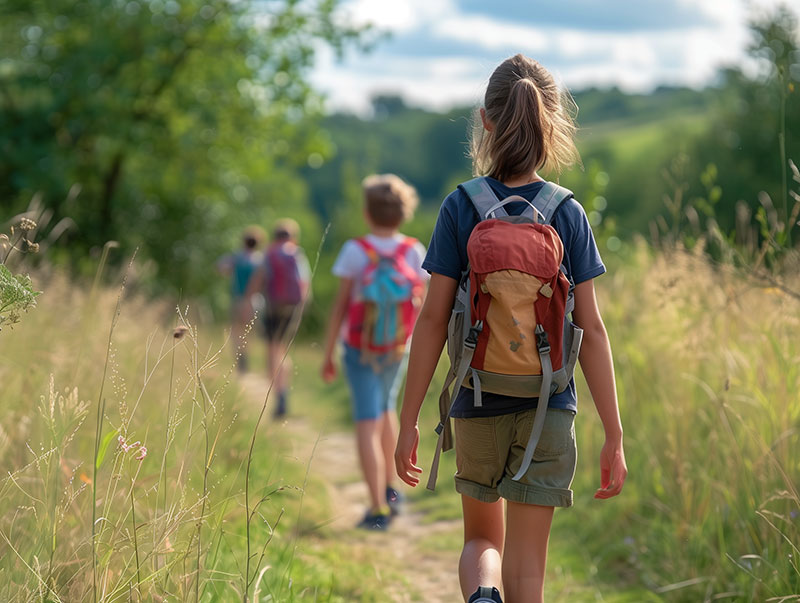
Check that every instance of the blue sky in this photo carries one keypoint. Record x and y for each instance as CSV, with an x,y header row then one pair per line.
x,y
441,52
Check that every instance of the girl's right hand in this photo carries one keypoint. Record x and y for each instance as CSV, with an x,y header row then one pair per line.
x,y
405,455
613,468
328,370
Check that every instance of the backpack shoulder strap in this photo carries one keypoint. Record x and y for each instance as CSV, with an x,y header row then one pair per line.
x,y
549,199
481,195
400,256
363,243
269,259
404,246
368,248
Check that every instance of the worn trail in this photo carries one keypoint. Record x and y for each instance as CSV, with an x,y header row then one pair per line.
x,y
418,573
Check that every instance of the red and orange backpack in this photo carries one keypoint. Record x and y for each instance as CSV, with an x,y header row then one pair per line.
x,y
509,331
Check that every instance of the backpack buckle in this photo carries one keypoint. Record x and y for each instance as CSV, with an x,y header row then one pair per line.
x,y
439,428
542,343
472,337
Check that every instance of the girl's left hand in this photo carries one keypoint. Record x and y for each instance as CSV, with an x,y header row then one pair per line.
x,y
613,469
405,455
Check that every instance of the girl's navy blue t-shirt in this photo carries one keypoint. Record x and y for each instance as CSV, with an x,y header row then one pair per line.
x,y
447,255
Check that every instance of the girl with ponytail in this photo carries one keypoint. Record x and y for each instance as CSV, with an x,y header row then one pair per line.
x,y
524,127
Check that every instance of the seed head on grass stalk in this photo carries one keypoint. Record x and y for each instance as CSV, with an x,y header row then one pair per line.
x,y
16,290
101,402
248,581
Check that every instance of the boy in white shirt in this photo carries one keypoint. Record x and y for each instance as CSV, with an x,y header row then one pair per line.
x,y
381,288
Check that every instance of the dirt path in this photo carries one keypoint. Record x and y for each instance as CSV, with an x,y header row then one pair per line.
x,y
430,574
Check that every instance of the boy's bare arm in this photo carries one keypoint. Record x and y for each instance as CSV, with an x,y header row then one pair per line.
x,y
427,342
255,284
598,368
334,325
225,266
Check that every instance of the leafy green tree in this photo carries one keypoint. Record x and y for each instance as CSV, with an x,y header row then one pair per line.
x,y
755,129
16,290
180,121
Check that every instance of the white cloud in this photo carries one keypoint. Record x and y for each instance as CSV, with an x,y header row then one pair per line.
x,y
634,60
432,82
491,34
397,15
733,13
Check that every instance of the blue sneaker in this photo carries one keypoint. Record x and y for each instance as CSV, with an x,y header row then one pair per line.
x,y
378,522
394,499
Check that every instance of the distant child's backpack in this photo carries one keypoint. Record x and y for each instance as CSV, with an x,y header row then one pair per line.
x,y
509,332
244,265
284,283
382,317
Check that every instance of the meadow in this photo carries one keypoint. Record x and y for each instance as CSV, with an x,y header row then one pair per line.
x,y
126,451
136,466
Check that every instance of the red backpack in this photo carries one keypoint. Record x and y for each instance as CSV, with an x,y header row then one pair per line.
x,y
509,332
284,283
382,318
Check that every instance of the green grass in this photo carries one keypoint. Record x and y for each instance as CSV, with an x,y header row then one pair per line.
x,y
708,380
633,154
174,524
708,375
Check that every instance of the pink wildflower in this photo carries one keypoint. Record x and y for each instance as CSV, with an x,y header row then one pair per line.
x,y
128,447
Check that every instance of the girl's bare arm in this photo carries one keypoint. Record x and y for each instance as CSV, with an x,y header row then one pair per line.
x,y
598,368
430,333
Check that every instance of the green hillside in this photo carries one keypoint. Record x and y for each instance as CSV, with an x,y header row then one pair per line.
x,y
628,137
144,154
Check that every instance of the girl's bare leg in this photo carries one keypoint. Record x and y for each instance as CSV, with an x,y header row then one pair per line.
x,y
527,536
482,555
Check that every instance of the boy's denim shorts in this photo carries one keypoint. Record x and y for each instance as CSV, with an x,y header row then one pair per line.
x,y
489,453
374,384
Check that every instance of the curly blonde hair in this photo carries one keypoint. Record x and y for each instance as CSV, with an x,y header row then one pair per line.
x,y
389,200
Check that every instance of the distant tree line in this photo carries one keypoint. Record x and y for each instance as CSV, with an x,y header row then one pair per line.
x,y
173,123
742,129
168,126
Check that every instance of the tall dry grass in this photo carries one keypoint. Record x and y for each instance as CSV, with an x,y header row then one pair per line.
x,y
122,453
708,369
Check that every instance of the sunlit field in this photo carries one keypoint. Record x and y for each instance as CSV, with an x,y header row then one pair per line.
x,y
146,146
158,500
126,454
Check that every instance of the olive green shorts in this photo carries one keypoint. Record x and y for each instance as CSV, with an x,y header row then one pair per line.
x,y
489,453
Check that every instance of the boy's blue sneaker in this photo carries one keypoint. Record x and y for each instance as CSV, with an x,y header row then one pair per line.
x,y
280,408
394,499
378,522
486,594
